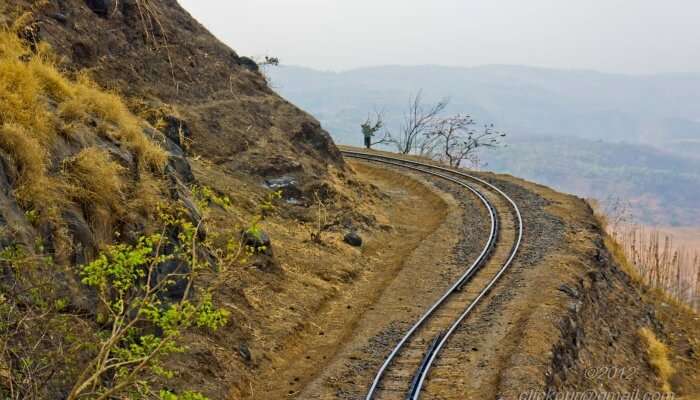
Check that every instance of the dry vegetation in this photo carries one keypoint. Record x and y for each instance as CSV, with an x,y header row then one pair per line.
x,y
77,170
41,111
658,357
652,257
661,264
75,157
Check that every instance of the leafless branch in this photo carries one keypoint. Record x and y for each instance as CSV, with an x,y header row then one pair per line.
x,y
417,122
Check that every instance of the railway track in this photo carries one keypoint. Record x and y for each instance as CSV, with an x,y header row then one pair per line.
x,y
403,374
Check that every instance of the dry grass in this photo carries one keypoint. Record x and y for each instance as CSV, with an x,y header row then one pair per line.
x,y
97,180
620,256
148,195
660,263
34,189
40,108
20,91
658,357
650,256
89,101
31,88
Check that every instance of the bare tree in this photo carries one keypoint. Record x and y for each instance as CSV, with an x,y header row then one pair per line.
x,y
417,123
458,141
371,127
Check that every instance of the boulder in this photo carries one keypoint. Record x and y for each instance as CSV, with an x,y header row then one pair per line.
x,y
287,184
248,64
353,239
257,239
244,351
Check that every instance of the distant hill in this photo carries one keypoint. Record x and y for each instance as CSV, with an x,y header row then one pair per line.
x,y
661,187
606,134
522,100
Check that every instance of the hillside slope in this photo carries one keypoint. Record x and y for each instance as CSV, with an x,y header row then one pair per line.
x,y
154,52
129,130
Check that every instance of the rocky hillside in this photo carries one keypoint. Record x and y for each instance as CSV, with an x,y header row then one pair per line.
x,y
155,198
155,53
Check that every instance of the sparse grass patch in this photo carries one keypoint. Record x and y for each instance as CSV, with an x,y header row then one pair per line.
x,y
205,196
658,357
147,196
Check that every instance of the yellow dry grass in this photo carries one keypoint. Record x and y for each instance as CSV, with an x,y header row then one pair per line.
x,y
97,179
619,255
97,184
89,100
39,106
31,86
658,357
29,157
661,263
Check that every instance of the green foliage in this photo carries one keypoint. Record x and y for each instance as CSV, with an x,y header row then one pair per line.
x,y
31,311
60,304
210,317
369,129
255,230
32,216
268,205
143,327
205,196
13,255
236,251
121,266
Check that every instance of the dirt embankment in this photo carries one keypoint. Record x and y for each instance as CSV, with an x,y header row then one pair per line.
x,y
571,316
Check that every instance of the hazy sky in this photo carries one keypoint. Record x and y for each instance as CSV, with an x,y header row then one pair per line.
x,y
629,36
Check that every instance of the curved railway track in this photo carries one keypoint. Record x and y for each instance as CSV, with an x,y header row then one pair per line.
x,y
403,374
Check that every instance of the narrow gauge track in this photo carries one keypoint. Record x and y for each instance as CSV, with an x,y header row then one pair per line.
x,y
403,373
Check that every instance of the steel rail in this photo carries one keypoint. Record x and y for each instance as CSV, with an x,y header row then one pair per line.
x,y
422,373
456,286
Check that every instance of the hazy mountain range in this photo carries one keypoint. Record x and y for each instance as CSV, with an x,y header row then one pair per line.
x,y
590,133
